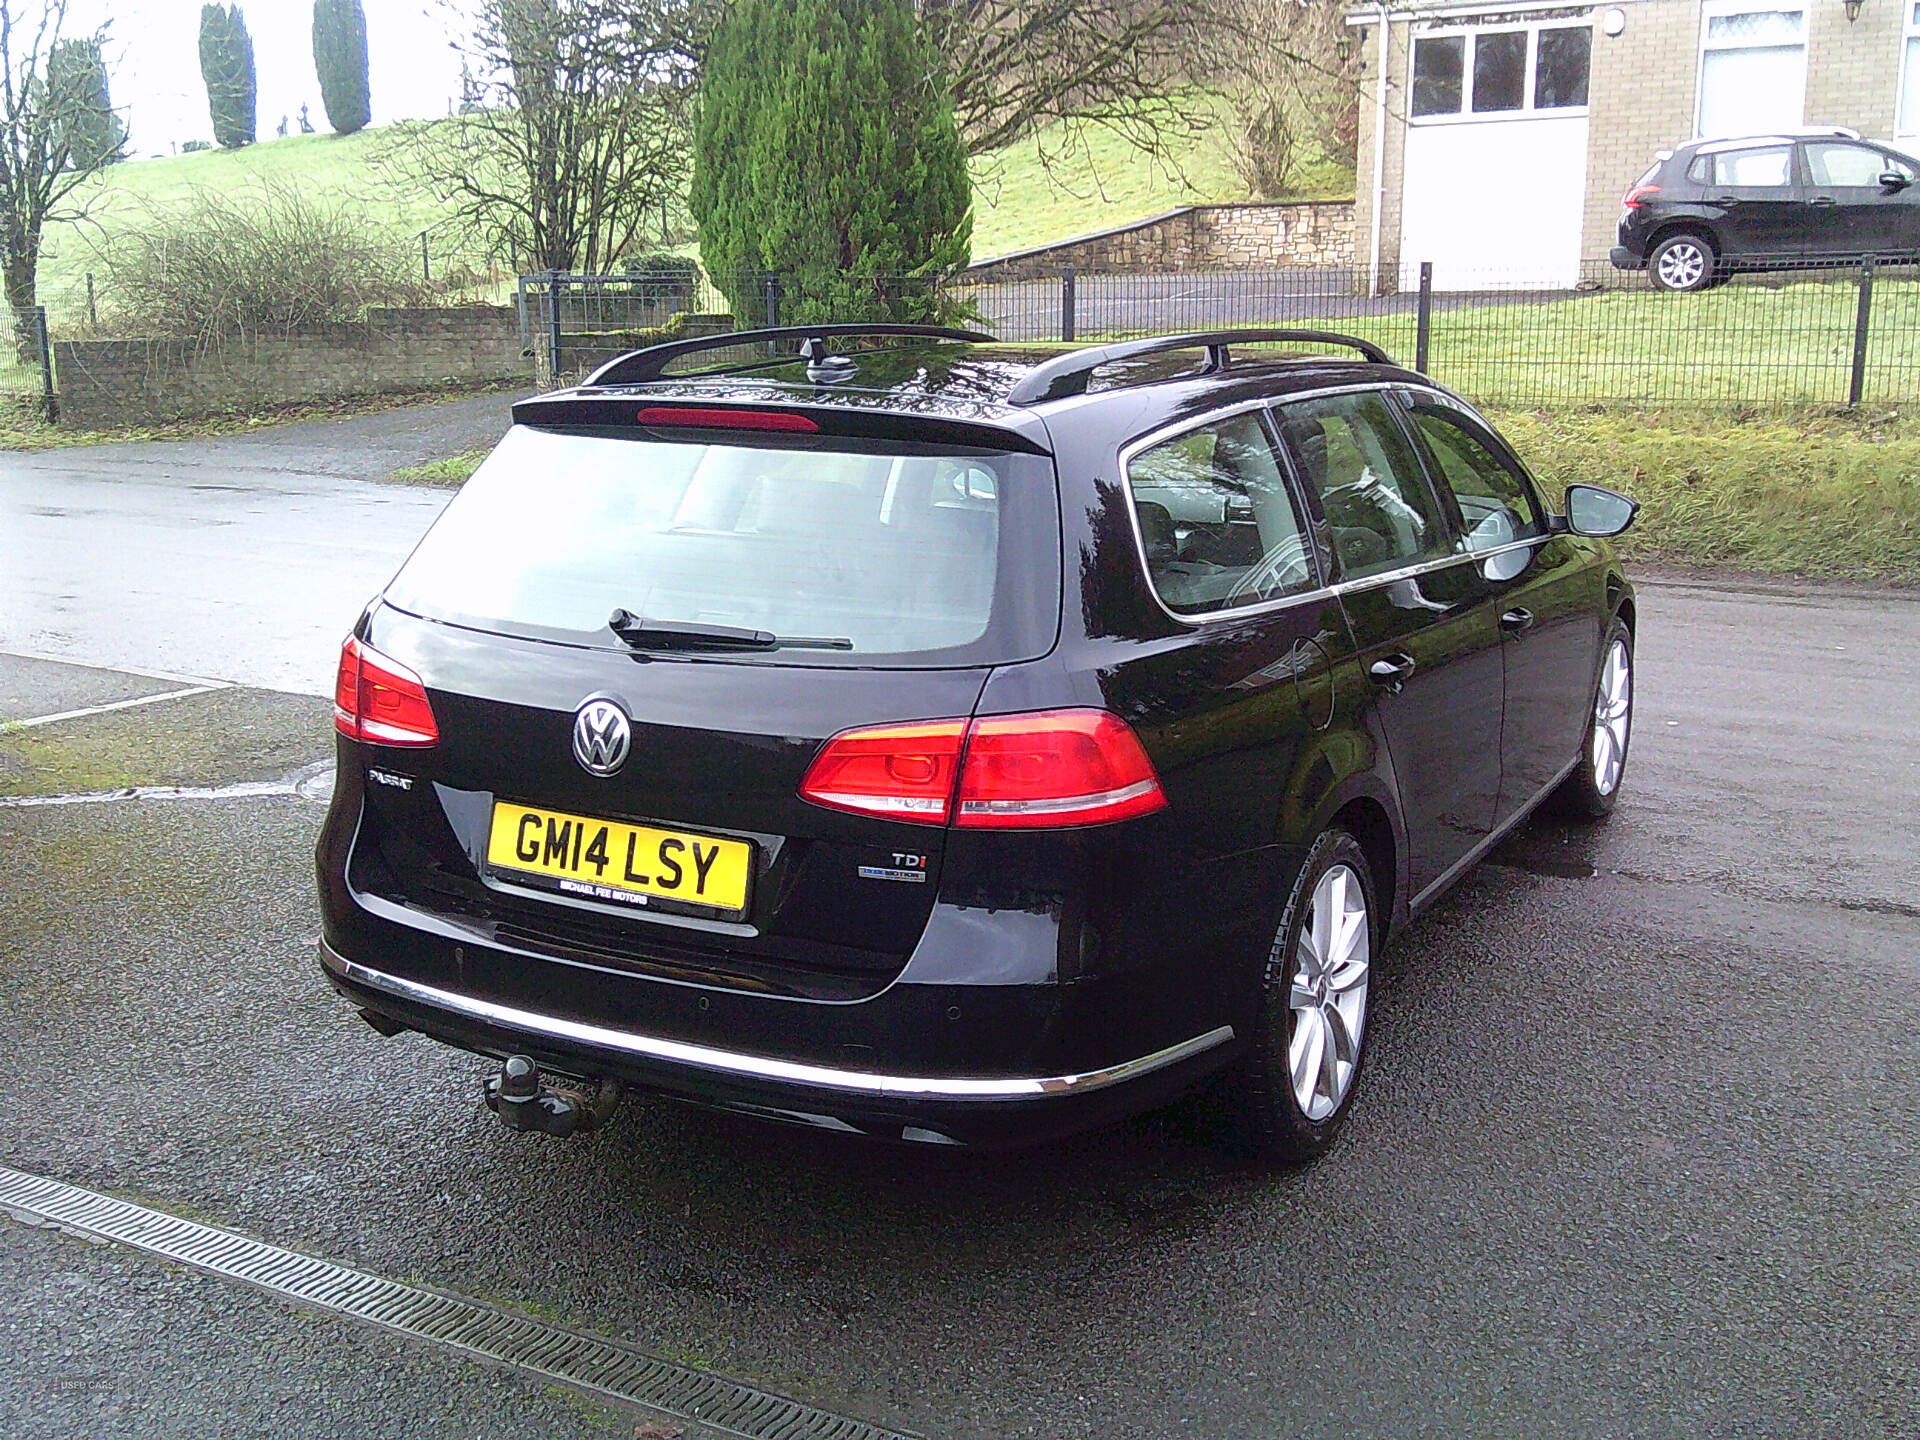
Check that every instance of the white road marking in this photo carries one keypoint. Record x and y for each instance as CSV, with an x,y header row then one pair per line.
x,y
310,782
6,725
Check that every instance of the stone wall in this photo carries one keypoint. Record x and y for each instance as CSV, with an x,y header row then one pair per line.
x,y
104,383
1195,237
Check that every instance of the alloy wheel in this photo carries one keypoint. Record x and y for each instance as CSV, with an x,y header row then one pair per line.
x,y
1612,715
1327,999
1683,266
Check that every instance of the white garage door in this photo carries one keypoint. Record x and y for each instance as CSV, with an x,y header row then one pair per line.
x,y
1494,204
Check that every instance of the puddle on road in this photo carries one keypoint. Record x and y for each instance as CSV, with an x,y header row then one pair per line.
x,y
1551,850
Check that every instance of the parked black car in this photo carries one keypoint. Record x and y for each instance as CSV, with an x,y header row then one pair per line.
x,y
953,741
1768,202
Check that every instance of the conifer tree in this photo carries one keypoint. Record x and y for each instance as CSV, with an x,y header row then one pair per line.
x,y
340,60
226,64
92,133
825,152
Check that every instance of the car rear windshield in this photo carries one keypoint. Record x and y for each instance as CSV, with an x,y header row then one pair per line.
x,y
856,552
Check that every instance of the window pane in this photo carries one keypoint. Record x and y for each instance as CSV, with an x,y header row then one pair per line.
x,y
1752,169
1910,90
898,553
1354,454
1560,68
1845,165
1437,67
1216,521
1499,71
1494,505
1756,27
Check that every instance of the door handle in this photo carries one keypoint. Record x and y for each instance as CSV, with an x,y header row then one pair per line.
x,y
1391,673
1824,202
1726,201
1517,621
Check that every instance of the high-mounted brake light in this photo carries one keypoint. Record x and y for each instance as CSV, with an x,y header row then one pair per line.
x,y
726,419
1638,196
381,701
1046,768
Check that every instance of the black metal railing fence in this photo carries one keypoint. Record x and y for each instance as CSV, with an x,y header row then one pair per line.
x,y
1797,335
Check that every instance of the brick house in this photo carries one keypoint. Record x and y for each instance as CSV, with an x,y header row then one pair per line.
x,y
1511,130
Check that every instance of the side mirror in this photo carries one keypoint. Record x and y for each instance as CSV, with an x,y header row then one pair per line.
x,y
1599,513
1893,180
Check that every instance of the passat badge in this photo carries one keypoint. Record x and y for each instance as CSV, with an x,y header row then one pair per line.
x,y
602,736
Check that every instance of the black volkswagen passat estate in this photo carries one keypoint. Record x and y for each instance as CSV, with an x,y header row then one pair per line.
x,y
952,741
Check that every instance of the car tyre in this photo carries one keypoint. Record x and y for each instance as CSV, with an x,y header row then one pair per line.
x,y
1685,262
1593,789
1286,1100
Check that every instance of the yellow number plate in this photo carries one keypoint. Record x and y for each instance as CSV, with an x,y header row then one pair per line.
x,y
611,860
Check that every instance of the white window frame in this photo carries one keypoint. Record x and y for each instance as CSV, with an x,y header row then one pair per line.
x,y
1909,32
1713,10
1466,114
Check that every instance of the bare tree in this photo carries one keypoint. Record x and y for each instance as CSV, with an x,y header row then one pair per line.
x,y
42,112
1290,72
1014,66
576,127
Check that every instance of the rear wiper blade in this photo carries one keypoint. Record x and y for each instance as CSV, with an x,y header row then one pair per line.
x,y
693,635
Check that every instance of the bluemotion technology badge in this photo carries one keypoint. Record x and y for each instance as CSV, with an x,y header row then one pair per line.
x,y
602,736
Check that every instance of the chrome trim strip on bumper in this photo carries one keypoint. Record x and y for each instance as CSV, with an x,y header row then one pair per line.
x,y
761,1067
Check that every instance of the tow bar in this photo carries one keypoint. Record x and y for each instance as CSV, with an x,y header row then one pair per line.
x,y
549,1103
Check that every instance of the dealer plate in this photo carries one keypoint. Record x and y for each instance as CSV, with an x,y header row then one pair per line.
x,y
615,861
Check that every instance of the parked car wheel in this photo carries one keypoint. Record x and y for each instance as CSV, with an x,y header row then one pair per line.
x,y
1289,1097
1594,786
1684,262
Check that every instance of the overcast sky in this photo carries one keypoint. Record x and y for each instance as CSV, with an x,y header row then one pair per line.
x,y
153,61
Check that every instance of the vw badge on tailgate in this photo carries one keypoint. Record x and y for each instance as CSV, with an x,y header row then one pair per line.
x,y
601,737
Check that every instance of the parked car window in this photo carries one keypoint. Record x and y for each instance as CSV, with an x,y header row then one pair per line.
x,y
1560,67
1853,166
897,553
1495,507
1753,169
1216,522
1499,71
1355,456
1438,66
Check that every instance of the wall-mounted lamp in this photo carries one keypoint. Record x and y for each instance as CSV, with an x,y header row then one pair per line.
x,y
1853,10
1615,20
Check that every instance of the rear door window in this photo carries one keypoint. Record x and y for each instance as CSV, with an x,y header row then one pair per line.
x,y
1352,452
899,553
1217,523
1765,168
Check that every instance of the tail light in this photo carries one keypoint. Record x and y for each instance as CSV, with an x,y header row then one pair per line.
x,y
904,772
381,701
1638,196
1048,768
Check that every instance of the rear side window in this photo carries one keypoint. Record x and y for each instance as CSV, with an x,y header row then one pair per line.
x,y
1747,169
1354,454
1217,524
899,554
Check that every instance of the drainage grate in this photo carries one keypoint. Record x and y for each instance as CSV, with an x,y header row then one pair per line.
x,y
587,1362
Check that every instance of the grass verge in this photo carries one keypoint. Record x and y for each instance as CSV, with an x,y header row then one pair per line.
x,y
452,472
1833,497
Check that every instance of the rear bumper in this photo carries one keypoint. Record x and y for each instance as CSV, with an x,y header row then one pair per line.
x,y
1625,259
992,1109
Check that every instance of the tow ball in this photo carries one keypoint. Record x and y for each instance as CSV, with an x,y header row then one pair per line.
x,y
549,1103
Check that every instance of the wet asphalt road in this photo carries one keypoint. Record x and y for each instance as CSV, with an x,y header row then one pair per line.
x,y
1636,1155
242,558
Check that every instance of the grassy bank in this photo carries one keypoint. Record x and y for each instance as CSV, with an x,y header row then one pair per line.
x,y
1831,497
